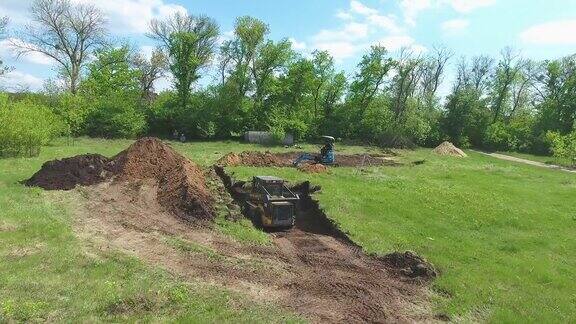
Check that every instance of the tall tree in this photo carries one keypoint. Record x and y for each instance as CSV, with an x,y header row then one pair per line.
x,y
433,70
238,55
404,83
373,69
504,76
150,70
3,24
272,59
66,32
323,64
189,42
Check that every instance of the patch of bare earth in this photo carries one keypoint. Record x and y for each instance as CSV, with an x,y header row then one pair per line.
x,y
309,269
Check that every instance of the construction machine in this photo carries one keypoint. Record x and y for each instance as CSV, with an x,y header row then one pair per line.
x,y
326,156
271,203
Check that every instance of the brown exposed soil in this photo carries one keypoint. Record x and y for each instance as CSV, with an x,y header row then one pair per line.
x,y
144,197
313,168
449,149
267,159
410,265
181,185
337,281
312,269
65,174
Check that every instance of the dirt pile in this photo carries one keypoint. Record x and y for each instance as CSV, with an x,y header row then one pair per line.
x,y
268,159
65,174
409,264
448,149
181,187
313,168
181,184
257,159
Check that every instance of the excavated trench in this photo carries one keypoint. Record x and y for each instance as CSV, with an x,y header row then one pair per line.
x,y
339,282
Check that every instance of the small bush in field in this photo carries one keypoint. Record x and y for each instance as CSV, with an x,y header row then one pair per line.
x,y
26,126
563,146
115,117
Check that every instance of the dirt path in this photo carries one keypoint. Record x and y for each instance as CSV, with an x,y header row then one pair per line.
x,y
525,161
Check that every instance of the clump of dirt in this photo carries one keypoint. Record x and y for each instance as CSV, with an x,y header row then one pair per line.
x,y
267,159
313,168
230,159
410,265
181,184
65,174
448,149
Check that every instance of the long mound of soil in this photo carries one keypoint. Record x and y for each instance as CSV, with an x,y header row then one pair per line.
x,y
449,149
268,159
313,168
65,174
181,184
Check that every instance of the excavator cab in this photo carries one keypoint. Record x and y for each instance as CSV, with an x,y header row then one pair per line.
x,y
326,156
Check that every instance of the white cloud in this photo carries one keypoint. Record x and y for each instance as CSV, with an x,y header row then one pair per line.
x,y
359,11
16,10
562,32
360,8
385,22
394,43
133,16
32,57
350,31
344,15
15,80
465,6
339,50
455,26
412,8
297,45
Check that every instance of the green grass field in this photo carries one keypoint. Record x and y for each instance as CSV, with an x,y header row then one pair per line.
x,y
501,234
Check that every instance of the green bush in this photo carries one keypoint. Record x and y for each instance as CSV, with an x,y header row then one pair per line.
x,y
563,147
498,137
115,117
73,109
26,126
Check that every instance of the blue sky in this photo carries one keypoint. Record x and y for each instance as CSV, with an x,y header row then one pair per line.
x,y
540,29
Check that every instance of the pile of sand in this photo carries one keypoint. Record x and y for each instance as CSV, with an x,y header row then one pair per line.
x,y
181,187
449,149
313,168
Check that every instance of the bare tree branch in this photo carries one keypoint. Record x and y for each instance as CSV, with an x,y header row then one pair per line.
x,y
64,32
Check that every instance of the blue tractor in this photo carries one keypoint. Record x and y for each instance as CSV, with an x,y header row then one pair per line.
x,y
326,156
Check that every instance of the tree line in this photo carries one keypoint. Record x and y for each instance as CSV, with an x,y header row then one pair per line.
x,y
107,89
